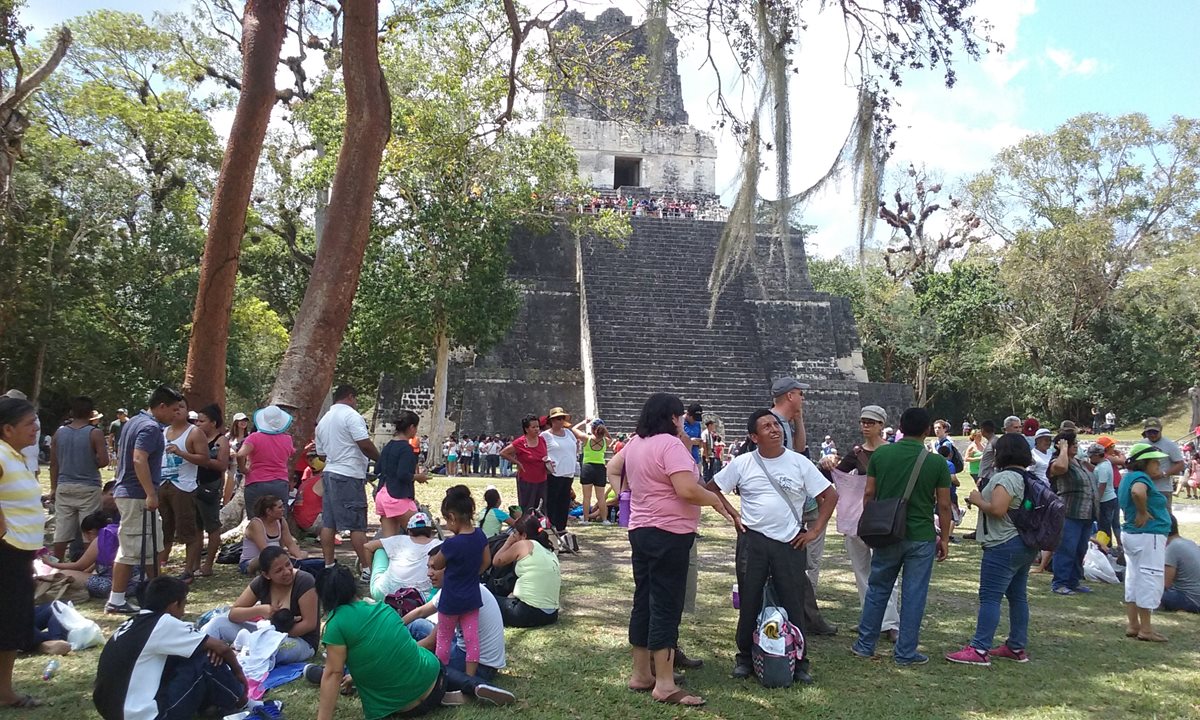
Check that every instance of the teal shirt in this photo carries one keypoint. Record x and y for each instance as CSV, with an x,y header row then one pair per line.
x,y
1156,504
891,465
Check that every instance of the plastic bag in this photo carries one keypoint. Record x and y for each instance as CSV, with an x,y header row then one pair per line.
x,y
1097,568
81,632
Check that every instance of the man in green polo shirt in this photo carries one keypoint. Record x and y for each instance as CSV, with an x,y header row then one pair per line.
x,y
888,473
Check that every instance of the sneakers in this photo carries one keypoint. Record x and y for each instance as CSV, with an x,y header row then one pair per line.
x,y
1004,652
364,577
124,608
969,656
494,695
741,671
917,659
314,673
1083,589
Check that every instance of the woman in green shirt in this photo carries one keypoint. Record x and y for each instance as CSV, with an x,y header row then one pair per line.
x,y
392,674
593,474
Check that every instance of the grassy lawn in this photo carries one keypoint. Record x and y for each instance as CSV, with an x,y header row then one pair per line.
x,y
1082,665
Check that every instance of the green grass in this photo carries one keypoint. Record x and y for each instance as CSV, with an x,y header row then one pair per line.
x,y
1082,665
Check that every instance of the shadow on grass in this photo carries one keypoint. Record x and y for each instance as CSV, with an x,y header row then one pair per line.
x,y
1082,665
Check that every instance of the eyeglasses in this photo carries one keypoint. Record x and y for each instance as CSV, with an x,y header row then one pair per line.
x,y
868,421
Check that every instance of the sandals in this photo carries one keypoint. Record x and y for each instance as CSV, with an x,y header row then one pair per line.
x,y
1152,637
678,697
1063,591
25,702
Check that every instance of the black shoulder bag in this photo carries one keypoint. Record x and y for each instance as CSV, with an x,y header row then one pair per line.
x,y
884,522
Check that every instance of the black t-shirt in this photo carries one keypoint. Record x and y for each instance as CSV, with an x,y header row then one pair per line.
x,y
261,587
208,476
397,466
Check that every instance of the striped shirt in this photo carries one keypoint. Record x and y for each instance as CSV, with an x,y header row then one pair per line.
x,y
21,501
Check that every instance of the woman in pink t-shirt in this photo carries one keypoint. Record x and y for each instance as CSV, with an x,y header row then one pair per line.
x,y
265,457
664,512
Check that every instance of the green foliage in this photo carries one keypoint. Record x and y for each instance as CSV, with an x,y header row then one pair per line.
x,y
105,232
1087,294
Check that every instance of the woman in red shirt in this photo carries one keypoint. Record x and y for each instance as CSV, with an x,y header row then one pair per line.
x,y
528,453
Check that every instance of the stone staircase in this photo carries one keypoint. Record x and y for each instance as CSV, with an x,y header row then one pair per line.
x,y
647,307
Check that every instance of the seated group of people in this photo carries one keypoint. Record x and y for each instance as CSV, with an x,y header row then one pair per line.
x,y
158,666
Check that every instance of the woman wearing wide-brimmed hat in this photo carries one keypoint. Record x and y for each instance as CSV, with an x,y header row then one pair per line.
x,y
266,455
562,450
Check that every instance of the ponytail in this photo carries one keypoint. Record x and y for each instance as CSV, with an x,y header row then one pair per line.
x,y
534,528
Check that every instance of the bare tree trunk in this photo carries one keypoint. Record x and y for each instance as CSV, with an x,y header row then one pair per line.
x,y
441,382
39,369
12,123
263,30
306,371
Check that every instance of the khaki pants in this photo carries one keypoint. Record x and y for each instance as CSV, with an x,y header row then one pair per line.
x,y
72,503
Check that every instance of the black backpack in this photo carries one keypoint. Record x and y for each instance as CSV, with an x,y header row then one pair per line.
x,y
500,580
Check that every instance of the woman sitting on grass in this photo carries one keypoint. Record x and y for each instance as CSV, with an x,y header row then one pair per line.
x,y
268,529
394,676
493,519
285,596
94,568
400,561
1004,569
534,600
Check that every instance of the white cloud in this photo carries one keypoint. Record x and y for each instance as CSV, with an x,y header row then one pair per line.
x,y
1066,63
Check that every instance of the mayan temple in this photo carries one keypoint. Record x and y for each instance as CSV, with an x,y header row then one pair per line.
x,y
602,325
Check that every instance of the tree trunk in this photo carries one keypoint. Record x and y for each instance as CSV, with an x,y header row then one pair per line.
x,y
441,382
12,123
306,371
922,381
263,30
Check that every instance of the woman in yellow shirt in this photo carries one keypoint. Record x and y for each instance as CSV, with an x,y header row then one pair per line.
x,y
21,534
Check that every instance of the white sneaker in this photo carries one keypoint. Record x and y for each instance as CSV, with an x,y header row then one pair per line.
x,y
494,695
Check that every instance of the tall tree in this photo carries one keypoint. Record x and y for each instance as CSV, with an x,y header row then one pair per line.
x,y
263,30
15,88
306,371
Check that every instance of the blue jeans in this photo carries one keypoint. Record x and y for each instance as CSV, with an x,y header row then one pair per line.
x,y
456,670
1004,572
1173,599
1068,558
915,558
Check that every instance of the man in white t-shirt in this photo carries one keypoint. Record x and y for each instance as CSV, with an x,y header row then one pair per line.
x,y
773,543
156,665
342,439
491,629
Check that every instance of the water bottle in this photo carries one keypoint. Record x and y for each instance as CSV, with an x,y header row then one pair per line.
x,y
623,511
51,668
737,599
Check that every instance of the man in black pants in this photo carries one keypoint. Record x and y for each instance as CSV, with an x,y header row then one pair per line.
x,y
774,483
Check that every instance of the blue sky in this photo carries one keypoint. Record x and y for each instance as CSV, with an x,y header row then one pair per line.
x,y
1063,58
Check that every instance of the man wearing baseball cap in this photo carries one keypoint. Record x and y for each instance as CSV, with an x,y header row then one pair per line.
x,y
1169,469
788,409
